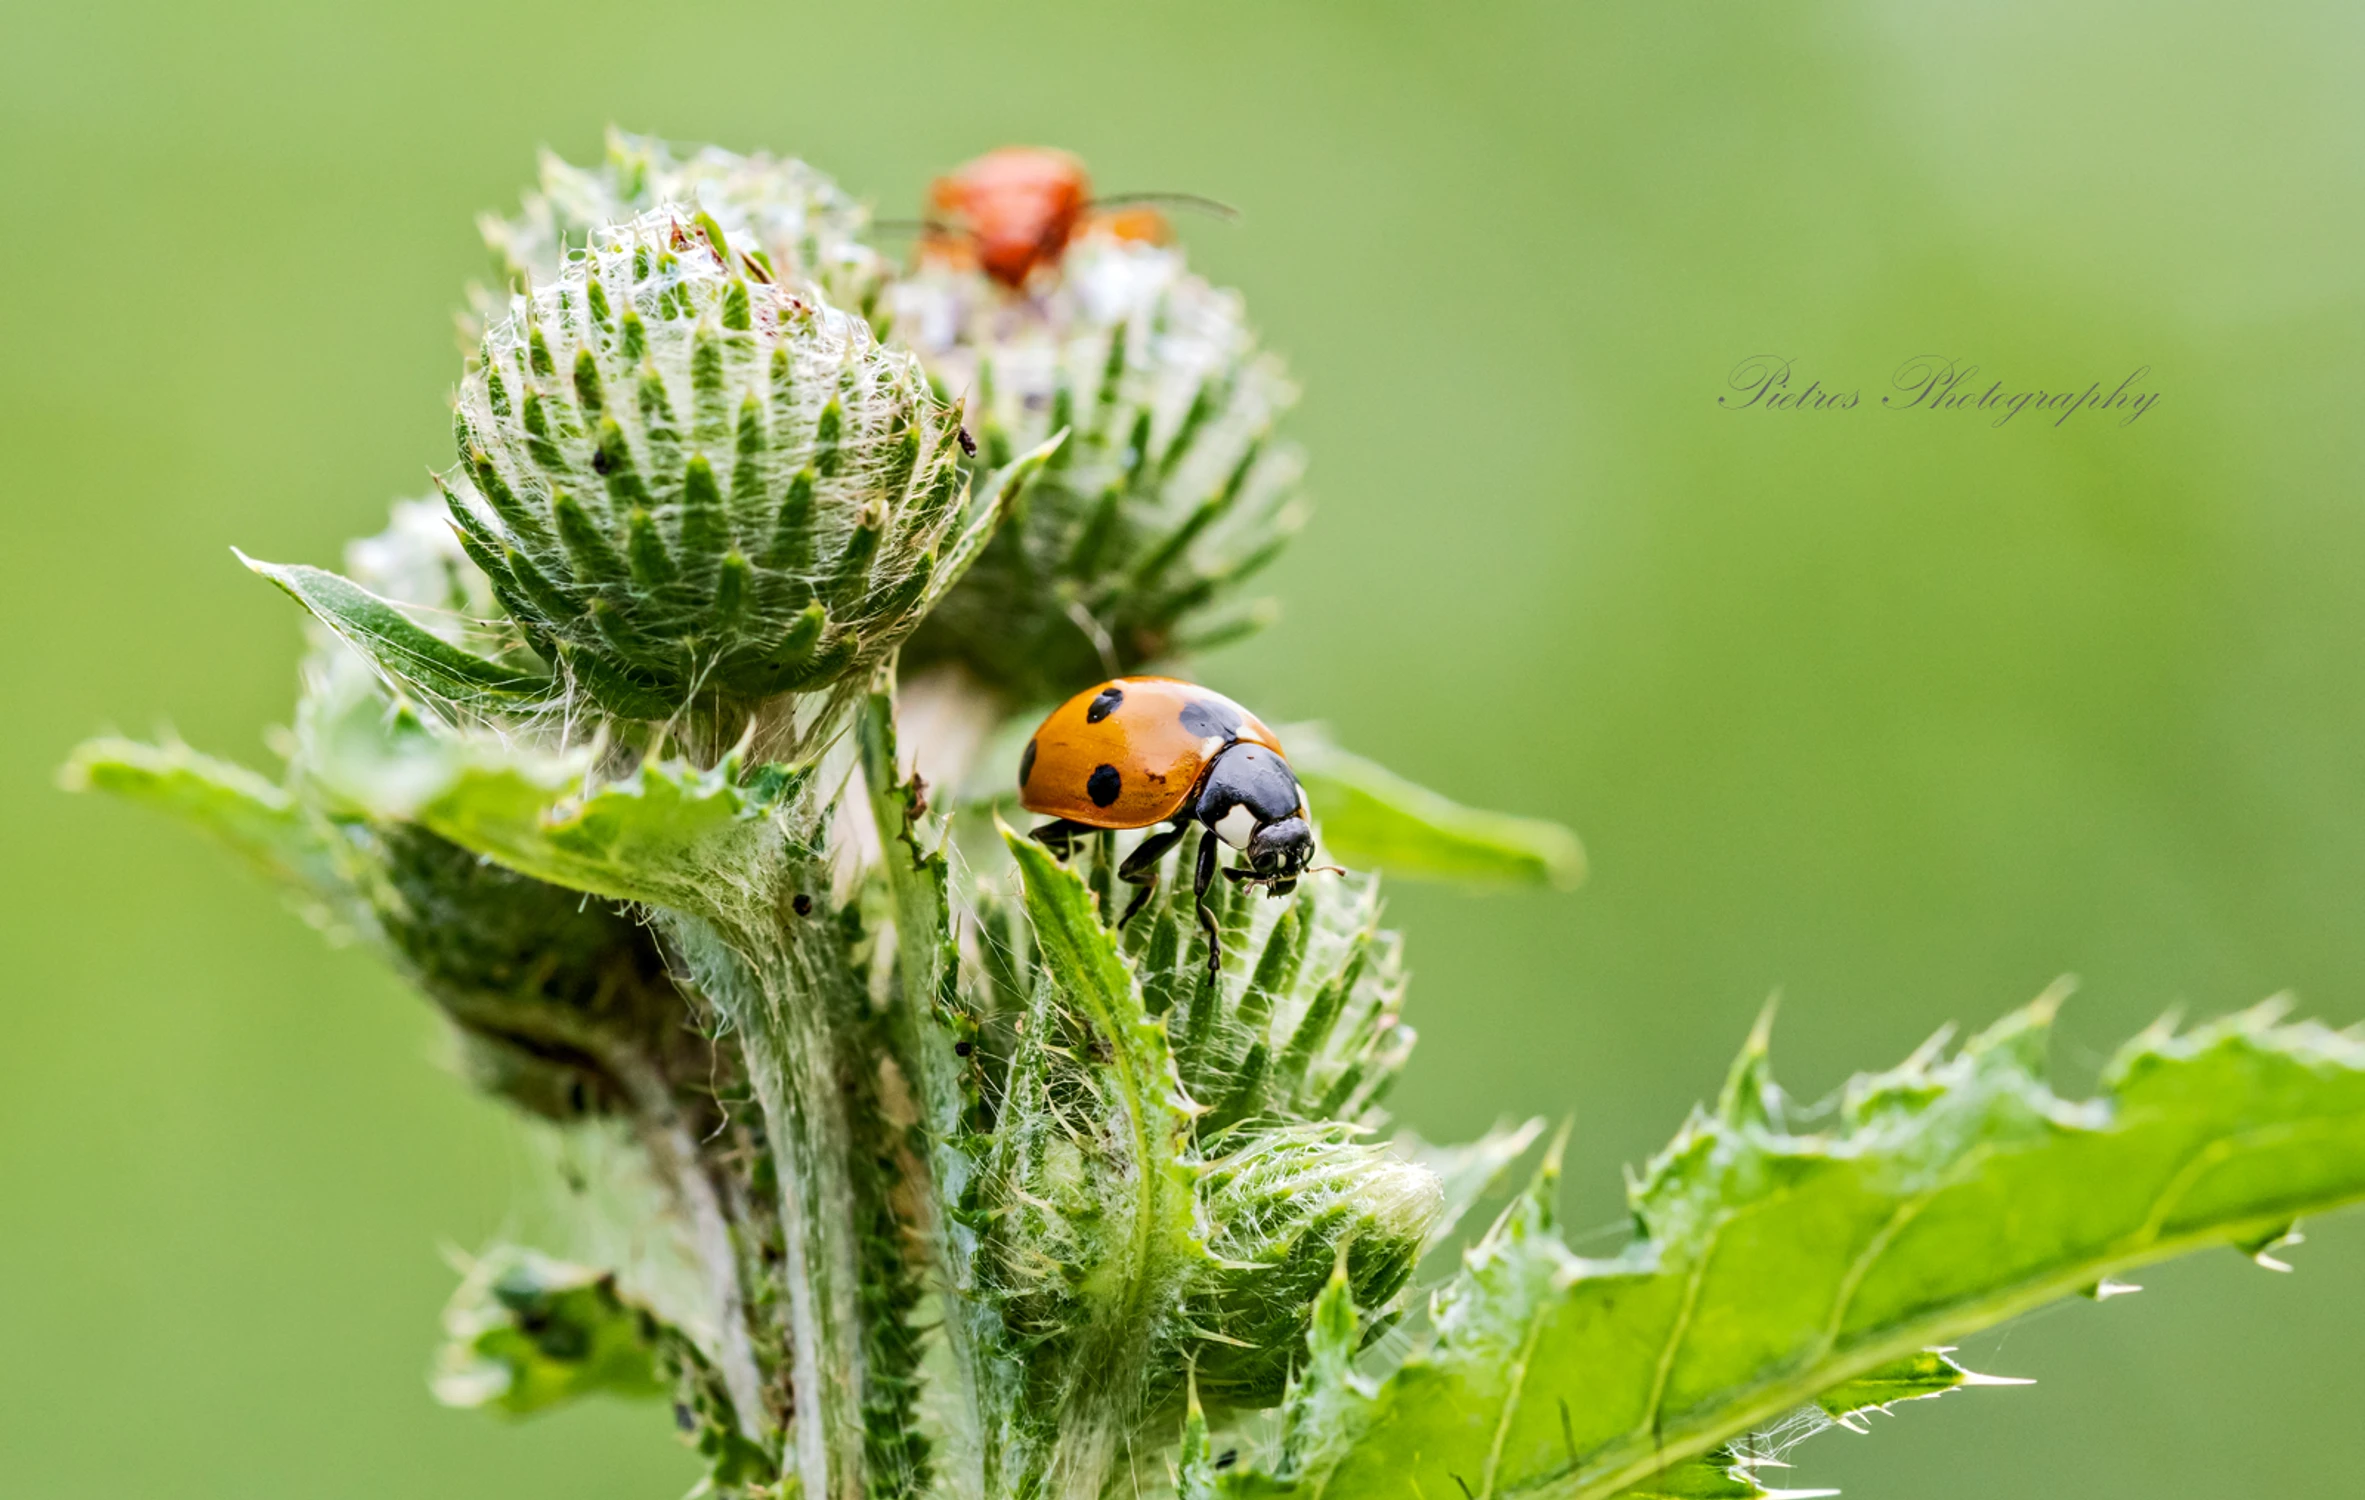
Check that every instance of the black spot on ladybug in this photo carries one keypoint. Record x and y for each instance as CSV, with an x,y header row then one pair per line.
x,y
803,904
968,443
1205,716
1104,704
1104,785
1026,765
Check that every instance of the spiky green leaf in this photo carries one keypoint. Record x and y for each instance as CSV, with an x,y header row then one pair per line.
x,y
663,832
412,656
1775,1270
255,817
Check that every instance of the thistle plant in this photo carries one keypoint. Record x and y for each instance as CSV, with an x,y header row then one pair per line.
x,y
955,1185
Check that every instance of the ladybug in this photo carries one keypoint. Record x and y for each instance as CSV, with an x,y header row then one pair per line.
x,y
1021,206
1016,209
1138,751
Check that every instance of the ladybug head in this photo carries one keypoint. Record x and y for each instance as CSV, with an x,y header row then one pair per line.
x,y
1280,851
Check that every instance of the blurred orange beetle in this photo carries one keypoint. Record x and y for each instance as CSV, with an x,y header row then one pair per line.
x,y
1015,211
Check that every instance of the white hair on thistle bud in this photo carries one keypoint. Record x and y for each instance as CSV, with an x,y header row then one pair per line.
x,y
793,217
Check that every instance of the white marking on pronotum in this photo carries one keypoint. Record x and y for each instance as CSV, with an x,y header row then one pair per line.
x,y
1235,826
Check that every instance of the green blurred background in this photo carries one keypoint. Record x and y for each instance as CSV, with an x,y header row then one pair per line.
x,y
1900,714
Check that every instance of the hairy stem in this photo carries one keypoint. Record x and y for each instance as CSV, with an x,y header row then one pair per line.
x,y
926,968
674,1151
784,988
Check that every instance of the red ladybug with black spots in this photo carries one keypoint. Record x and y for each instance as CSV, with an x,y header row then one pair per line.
x,y
1139,751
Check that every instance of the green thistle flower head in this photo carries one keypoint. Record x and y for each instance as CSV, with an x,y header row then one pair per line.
x,y
684,480
1168,495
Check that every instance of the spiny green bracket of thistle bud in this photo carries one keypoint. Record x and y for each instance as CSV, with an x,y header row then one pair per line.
x,y
695,488
1776,1271
561,1006
564,1007
1170,496
789,220
1304,1023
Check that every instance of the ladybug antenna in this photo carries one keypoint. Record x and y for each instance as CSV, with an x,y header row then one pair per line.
x,y
1210,206
911,226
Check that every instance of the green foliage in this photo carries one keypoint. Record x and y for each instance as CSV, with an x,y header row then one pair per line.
x,y
410,655
977,1186
273,830
527,1332
1773,1269
657,831
1375,818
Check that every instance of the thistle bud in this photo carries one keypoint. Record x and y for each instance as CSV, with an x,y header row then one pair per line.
x,y
596,429
784,221
1168,495
1289,1207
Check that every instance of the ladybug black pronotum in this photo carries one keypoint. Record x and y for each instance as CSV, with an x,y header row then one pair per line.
x,y
1145,750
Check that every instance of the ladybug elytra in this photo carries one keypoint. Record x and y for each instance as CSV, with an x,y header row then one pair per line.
x,y
1139,751
1014,211
1020,206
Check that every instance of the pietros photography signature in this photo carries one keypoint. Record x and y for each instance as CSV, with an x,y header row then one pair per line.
x,y
1933,383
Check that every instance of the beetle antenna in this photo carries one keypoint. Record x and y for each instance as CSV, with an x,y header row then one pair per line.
x,y
1214,207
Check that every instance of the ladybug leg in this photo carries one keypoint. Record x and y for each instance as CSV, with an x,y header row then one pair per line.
x,y
1060,835
1141,866
1200,881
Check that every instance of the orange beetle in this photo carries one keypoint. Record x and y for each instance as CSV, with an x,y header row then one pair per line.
x,y
1143,750
1019,207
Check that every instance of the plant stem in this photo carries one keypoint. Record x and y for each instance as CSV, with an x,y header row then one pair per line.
x,y
667,1139
784,988
926,964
